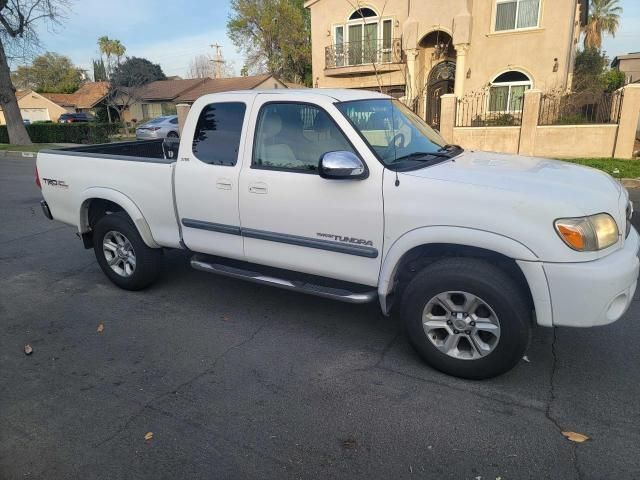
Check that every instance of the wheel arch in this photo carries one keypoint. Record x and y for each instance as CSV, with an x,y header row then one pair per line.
x,y
106,198
415,249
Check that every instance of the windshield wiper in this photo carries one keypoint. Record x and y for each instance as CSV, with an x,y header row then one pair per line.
x,y
449,147
422,156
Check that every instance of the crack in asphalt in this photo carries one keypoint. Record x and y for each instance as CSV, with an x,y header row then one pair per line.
x,y
149,405
552,397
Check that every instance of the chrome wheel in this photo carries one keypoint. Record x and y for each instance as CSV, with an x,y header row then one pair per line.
x,y
119,253
461,325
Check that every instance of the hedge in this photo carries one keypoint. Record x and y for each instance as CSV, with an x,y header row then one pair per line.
x,y
66,132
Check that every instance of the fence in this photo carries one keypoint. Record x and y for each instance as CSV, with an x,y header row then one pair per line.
x,y
493,107
363,52
581,108
547,125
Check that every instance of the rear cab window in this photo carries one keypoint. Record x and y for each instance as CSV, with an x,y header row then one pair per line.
x,y
217,135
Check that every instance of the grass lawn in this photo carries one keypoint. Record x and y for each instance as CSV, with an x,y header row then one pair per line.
x,y
615,167
36,147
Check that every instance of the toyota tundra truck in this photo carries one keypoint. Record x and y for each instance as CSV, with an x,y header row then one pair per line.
x,y
349,195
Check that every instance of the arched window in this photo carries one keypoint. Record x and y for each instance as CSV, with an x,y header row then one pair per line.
x,y
362,13
506,93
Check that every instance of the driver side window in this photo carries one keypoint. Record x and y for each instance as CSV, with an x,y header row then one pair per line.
x,y
294,136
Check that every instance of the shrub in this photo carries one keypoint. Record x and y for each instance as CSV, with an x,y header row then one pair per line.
x,y
66,132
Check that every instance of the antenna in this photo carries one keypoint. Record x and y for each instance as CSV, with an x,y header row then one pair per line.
x,y
217,60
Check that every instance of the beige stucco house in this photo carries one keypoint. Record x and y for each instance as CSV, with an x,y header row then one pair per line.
x,y
35,107
420,49
630,65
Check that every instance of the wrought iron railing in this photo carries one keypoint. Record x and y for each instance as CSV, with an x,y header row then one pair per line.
x,y
489,108
362,53
576,108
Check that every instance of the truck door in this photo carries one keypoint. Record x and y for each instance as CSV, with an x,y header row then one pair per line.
x,y
291,217
207,173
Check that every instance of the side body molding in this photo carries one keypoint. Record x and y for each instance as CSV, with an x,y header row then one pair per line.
x,y
524,257
121,199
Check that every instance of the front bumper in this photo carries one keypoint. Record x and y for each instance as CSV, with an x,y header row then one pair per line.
x,y
594,293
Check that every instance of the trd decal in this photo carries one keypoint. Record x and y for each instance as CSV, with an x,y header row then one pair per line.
x,y
345,239
55,183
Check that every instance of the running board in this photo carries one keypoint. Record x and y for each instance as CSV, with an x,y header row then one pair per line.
x,y
343,295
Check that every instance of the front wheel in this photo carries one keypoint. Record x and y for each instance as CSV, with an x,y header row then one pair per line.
x,y
467,318
122,254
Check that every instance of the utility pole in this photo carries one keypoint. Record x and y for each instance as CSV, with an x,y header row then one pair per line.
x,y
217,60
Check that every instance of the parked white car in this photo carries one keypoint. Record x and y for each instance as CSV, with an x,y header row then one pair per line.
x,y
348,195
160,127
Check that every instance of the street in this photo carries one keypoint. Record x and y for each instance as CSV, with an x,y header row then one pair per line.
x,y
237,380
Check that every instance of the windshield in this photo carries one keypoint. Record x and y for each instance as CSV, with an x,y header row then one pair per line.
x,y
399,138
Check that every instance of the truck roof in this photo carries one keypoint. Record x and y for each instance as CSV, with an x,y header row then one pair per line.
x,y
338,94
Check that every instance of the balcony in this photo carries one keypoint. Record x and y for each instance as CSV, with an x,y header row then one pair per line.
x,y
364,57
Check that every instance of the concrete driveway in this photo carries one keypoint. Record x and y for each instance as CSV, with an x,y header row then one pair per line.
x,y
238,381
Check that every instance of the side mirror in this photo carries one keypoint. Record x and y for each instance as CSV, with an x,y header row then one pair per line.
x,y
342,165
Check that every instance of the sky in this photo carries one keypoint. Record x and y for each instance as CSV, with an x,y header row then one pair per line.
x,y
173,32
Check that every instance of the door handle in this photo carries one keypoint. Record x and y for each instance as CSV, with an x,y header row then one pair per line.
x,y
223,184
259,188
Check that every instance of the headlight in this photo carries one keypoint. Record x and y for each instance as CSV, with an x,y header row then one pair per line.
x,y
588,234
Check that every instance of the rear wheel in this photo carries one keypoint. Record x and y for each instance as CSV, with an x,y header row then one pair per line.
x,y
122,254
466,317
172,135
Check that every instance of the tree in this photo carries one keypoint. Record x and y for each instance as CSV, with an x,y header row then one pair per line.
x,y
99,71
604,17
136,71
275,35
203,66
113,51
592,72
17,36
49,73
127,82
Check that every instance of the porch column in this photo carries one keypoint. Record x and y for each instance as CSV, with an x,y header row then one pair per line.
x,y
182,109
461,68
411,86
628,121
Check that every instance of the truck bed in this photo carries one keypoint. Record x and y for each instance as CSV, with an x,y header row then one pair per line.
x,y
160,150
139,173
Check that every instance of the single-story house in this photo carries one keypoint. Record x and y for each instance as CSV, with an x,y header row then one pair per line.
x,y
156,98
36,107
84,100
218,85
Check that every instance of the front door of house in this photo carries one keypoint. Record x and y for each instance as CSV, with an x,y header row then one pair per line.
x,y
441,81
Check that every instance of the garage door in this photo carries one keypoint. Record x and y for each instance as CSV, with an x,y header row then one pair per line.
x,y
35,114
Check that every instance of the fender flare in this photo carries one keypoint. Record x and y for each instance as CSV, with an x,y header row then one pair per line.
x,y
469,237
118,198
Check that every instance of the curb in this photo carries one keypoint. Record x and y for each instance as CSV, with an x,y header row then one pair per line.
x,y
630,182
5,153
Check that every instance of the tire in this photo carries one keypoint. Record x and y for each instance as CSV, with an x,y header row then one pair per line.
x,y
482,350
172,135
148,261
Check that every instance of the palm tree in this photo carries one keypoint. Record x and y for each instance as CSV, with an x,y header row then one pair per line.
x,y
604,17
118,49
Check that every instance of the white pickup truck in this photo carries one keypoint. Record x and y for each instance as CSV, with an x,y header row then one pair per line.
x,y
348,195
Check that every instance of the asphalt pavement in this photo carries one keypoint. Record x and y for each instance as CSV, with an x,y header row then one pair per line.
x,y
240,381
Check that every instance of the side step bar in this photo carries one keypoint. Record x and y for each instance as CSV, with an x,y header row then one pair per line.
x,y
200,263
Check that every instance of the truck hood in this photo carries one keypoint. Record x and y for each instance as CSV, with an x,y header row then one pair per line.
x,y
588,189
